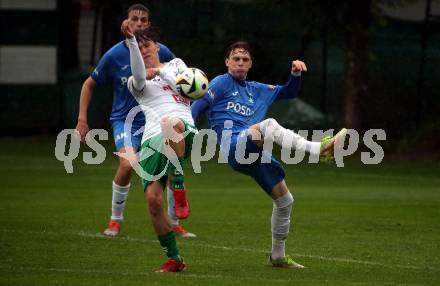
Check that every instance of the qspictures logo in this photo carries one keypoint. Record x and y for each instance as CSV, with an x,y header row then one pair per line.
x,y
205,144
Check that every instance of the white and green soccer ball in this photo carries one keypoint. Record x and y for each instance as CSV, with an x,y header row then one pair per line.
x,y
192,83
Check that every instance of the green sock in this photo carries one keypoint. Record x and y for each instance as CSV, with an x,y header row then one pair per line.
x,y
177,178
169,245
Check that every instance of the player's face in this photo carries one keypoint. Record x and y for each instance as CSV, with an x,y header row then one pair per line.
x,y
150,53
138,20
239,63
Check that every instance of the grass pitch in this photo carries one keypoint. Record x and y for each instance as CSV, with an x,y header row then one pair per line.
x,y
358,225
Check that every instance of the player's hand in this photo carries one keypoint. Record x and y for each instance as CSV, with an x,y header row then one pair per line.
x,y
82,128
126,29
152,72
298,66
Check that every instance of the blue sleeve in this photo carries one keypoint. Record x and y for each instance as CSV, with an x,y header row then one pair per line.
x,y
215,91
290,89
165,54
101,73
199,106
217,87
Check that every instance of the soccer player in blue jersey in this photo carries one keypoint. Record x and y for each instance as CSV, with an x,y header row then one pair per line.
x,y
114,68
236,105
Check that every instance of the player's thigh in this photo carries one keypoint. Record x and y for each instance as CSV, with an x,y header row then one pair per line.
x,y
269,175
266,171
190,133
235,162
153,161
126,135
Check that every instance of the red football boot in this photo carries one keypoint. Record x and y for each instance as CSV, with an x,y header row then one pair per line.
x,y
172,265
181,204
113,228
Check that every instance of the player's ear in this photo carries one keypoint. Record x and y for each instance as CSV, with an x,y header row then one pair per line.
x,y
227,62
157,47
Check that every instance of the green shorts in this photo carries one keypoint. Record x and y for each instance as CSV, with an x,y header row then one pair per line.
x,y
155,164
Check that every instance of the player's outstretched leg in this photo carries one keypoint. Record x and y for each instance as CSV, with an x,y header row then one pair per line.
x,y
177,228
173,129
328,145
286,138
282,207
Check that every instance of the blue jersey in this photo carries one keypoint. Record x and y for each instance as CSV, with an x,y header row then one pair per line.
x,y
245,103
114,67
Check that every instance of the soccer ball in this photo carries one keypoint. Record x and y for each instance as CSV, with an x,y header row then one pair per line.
x,y
192,83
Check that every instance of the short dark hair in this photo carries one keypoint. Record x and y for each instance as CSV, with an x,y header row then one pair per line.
x,y
138,6
149,34
238,45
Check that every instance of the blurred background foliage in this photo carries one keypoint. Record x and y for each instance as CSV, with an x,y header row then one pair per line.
x,y
369,66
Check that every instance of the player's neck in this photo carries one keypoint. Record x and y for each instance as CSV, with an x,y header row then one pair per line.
x,y
238,78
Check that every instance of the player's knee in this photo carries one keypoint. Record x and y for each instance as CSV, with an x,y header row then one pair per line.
x,y
269,122
155,205
255,135
269,127
125,166
169,123
165,122
290,199
172,128
285,201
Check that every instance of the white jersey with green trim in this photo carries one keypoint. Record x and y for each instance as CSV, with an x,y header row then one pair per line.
x,y
159,98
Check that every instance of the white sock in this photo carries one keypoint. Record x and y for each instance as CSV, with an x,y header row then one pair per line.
x,y
119,198
286,138
280,224
278,248
171,211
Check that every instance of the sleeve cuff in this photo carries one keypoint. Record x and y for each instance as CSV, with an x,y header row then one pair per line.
x,y
295,73
132,40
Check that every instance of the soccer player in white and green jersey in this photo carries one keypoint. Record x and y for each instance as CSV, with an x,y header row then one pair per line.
x,y
167,119
114,68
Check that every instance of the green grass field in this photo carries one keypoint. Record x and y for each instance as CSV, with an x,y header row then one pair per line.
x,y
359,225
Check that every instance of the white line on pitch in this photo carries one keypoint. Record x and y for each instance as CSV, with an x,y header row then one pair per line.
x,y
252,250
335,259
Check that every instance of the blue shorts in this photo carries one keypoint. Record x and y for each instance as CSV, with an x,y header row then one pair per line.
x,y
267,175
124,139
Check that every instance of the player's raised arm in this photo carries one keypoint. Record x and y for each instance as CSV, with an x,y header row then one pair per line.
x,y
291,88
136,61
298,66
137,65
